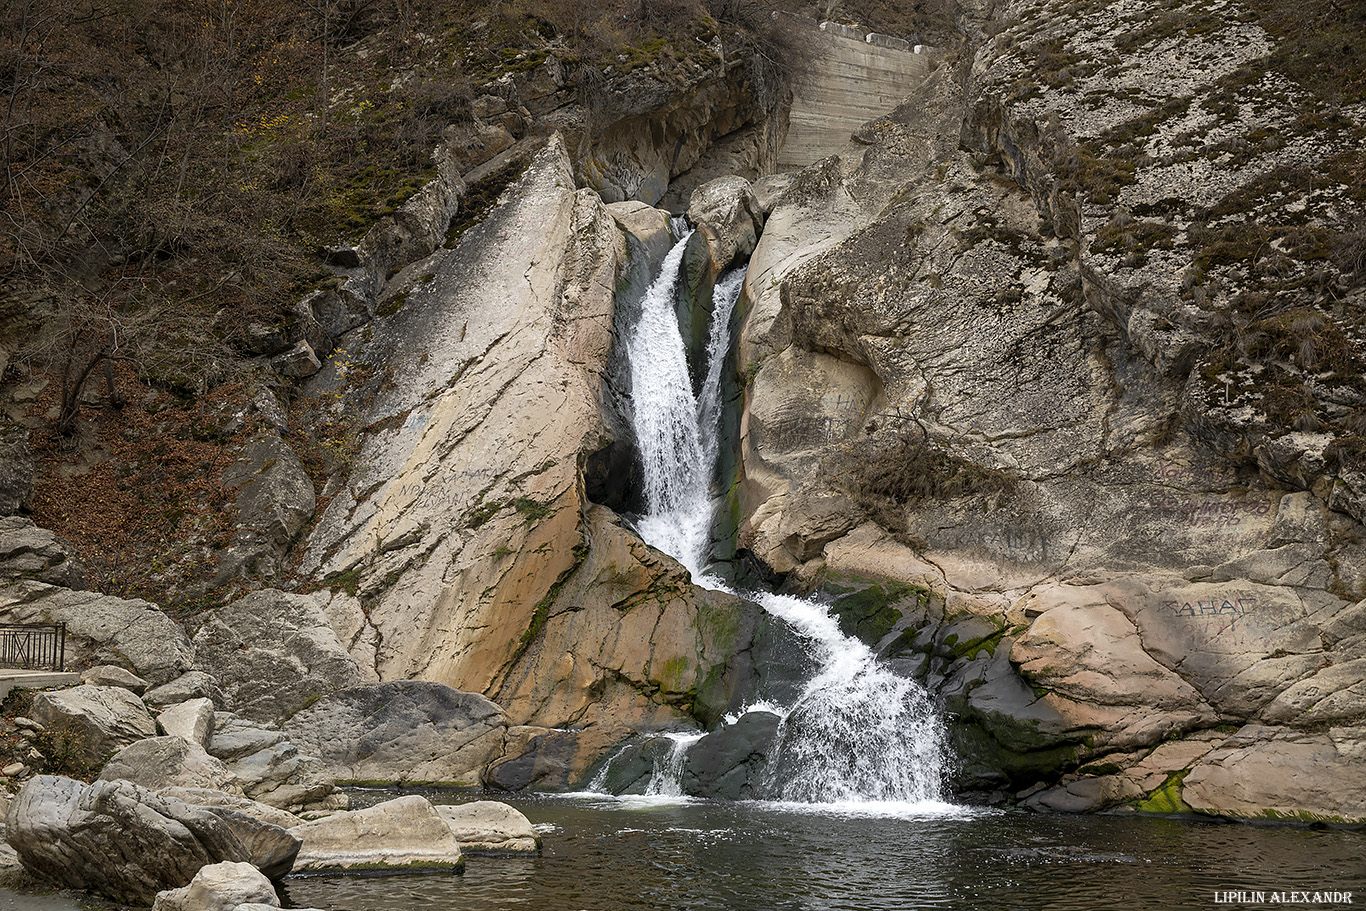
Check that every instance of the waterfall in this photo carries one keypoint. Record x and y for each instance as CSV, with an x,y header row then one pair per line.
x,y
857,732
666,780
677,432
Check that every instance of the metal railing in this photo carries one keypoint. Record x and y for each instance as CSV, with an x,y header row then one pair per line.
x,y
33,646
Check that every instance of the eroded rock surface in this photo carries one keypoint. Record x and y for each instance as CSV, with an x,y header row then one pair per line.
x,y
405,730
127,843
273,653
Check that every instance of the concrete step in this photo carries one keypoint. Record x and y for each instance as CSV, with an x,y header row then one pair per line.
x,y
33,680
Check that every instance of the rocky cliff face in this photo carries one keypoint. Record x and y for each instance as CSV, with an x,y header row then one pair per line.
x,y
1010,348
462,548
1050,381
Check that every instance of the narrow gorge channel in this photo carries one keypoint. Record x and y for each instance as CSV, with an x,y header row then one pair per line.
x,y
856,731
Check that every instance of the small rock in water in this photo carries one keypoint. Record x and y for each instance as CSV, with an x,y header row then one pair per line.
x,y
405,833
490,826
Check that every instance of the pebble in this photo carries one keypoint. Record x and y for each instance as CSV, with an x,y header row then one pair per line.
x,y
14,769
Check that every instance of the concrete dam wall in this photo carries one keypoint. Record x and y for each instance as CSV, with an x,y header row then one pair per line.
x,y
856,77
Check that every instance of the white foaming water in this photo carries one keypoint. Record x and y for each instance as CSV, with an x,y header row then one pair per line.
x,y
677,432
667,778
859,735
858,732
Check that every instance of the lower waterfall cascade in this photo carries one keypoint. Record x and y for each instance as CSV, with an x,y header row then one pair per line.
x,y
857,733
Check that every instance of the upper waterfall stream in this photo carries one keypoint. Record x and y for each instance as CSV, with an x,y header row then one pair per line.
x,y
857,733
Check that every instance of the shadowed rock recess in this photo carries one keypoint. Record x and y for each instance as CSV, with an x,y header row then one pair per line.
x,y
1047,379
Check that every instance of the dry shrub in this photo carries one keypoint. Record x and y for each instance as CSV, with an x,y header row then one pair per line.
x,y
885,475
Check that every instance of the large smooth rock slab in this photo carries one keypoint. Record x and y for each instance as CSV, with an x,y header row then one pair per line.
x,y
405,833
490,827
404,730
1281,774
223,886
273,653
166,762
102,718
128,843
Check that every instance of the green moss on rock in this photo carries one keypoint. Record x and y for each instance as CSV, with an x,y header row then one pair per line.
x,y
1167,797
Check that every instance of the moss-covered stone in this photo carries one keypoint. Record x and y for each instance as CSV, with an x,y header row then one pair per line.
x,y
1167,797
982,756
869,614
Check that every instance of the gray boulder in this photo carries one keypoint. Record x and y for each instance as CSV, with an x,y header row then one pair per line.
x,y
273,653
283,777
101,718
405,833
728,214
190,685
490,827
102,629
270,768
192,719
166,762
275,499
30,552
16,470
404,730
127,843
113,675
549,759
222,886
235,737
207,797
299,361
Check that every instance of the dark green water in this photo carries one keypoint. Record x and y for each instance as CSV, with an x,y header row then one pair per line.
x,y
618,855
